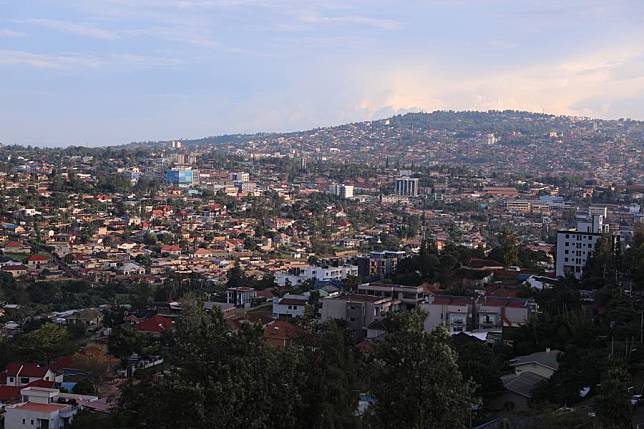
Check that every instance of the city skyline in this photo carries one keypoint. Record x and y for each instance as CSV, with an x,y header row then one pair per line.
x,y
113,71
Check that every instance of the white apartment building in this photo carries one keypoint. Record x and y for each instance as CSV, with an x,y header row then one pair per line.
x,y
407,186
576,246
289,306
299,275
43,408
341,190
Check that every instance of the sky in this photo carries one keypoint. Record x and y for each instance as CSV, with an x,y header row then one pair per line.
x,y
106,72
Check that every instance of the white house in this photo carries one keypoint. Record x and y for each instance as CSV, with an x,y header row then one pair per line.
x,y
40,408
299,275
289,306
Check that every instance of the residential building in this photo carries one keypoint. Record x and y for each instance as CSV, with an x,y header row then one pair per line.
x,y
240,296
341,190
576,246
358,310
43,408
379,264
409,296
454,313
407,186
321,275
289,306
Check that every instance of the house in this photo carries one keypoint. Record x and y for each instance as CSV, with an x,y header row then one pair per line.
x,y
202,253
451,312
543,363
36,260
359,311
17,270
22,374
279,333
155,325
493,312
14,247
529,371
289,306
240,296
130,269
171,249
43,408
409,296
228,310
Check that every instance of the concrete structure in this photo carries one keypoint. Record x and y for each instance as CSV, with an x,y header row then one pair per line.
x,y
576,246
452,312
407,186
298,275
359,311
492,312
40,408
379,264
182,176
341,190
409,296
289,306
240,296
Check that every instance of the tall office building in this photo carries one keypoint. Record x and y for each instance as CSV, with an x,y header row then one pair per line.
x,y
341,190
575,246
407,186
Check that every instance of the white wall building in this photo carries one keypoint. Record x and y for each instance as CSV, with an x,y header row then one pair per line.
x,y
407,186
299,275
341,190
289,306
40,408
576,246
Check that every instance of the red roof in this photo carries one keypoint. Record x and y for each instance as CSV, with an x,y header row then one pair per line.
x,y
42,408
279,329
156,324
14,369
171,248
36,258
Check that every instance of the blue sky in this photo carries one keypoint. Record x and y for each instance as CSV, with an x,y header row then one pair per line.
x,y
101,72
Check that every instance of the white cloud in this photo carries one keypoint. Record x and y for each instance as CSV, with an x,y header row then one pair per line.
x,y
566,87
85,30
10,33
75,61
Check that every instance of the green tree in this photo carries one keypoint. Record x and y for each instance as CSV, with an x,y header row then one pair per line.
x,y
614,407
45,343
416,380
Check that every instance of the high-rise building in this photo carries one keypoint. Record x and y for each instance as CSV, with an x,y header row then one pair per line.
x,y
576,246
239,176
341,190
182,176
407,186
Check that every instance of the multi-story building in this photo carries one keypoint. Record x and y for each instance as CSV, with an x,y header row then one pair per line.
x,y
492,312
576,246
341,190
452,312
239,176
358,310
41,408
321,275
379,264
409,296
407,186
289,306
240,296
182,176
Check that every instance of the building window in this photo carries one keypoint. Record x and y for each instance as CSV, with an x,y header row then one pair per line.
x,y
24,380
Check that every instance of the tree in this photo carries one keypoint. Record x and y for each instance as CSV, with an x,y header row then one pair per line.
x,y
45,343
96,363
614,407
216,376
417,382
508,250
